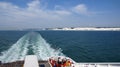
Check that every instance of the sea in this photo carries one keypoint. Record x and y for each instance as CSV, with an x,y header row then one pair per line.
x,y
81,46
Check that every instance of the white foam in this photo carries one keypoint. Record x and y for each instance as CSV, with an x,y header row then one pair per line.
x,y
39,46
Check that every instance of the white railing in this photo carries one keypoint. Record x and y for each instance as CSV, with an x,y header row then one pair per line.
x,y
96,65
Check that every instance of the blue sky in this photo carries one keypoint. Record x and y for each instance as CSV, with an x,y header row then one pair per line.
x,y
21,14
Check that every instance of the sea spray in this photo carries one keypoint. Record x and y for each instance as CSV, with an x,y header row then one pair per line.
x,y
31,43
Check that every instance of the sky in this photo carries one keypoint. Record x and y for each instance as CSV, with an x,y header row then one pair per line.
x,y
25,14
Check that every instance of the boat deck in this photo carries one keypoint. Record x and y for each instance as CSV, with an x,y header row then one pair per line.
x,y
46,64
12,64
32,61
21,63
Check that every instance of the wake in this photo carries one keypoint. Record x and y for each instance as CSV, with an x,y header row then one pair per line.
x,y
31,43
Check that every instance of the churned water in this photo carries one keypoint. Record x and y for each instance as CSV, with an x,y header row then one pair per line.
x,y
81,46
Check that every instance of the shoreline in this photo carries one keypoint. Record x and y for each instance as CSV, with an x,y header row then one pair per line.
x,y
85,29
68,29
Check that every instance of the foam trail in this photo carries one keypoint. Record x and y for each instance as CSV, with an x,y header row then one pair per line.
x,y
31,42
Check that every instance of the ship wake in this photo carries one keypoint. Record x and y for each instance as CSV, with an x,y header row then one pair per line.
x,y
31,43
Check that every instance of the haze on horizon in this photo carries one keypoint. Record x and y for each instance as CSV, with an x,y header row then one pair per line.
x,y
24,14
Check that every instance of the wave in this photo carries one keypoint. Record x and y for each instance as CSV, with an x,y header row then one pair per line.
x,y
31,43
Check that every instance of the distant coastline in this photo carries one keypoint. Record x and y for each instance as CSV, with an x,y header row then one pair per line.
x,y
68,29
85,29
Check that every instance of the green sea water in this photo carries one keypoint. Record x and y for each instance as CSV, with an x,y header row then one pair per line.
x,y
81,46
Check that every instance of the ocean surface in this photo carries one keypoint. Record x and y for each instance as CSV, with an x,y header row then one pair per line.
x,y
81,46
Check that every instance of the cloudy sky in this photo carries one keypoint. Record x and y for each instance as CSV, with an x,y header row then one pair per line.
x,y
21,14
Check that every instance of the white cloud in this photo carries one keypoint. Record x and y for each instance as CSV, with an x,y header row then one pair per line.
x,y
34,4
63,12
35,15
81,8
33,10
